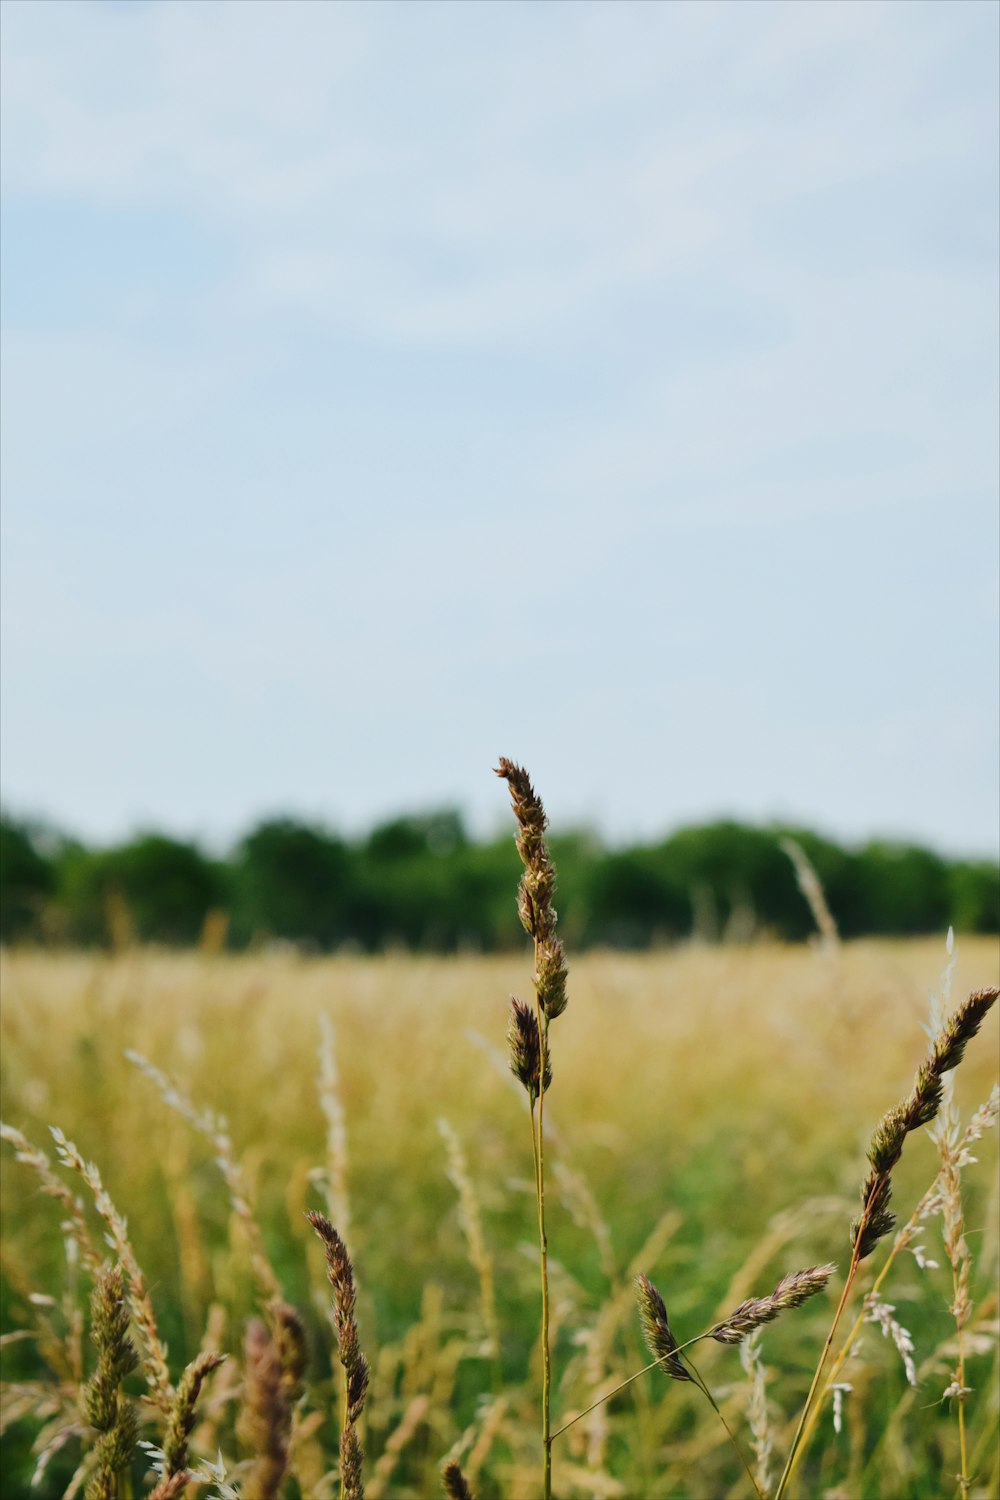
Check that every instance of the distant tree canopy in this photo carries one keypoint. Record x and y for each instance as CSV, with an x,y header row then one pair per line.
x,y
27,880
154,888
419,881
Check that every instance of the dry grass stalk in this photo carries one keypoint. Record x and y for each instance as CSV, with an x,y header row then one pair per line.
x,y
760,1426
75,1223
529,1048
338,1201
265,1420
215,1130
882,1314
472,1227
340,1274
107,1408
946,1136
155,1361
875,1220
812,888
906,1239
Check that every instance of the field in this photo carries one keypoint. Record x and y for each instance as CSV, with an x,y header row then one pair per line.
x,y
707,1125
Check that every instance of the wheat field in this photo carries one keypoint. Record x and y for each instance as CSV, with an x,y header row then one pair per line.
x,y
706,1125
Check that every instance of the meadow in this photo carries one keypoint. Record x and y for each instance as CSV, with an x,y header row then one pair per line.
x,y
706,1125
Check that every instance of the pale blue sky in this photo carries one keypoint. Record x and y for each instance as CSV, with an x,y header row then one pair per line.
x,y
388,387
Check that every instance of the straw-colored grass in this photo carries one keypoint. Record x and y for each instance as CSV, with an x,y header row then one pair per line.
x,y
707,1126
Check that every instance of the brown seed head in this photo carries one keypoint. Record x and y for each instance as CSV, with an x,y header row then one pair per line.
x,y
265,1420
919,1108
550,977
525,1048
656,1329
456,1486
340,1274
292,1344
534,897
792,1290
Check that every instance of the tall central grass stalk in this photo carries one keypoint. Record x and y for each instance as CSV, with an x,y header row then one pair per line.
x,y
543,1250
528,1030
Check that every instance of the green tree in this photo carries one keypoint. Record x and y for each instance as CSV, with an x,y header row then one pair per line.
x,y
633,900
903,889
974,896
27,880
294,882
165,886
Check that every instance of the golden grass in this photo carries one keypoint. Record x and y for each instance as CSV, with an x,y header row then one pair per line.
x,y
721,1098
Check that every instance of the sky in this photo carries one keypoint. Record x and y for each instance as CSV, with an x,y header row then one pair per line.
x,y
389,387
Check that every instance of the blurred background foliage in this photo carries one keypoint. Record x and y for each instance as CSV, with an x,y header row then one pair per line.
x,y
420,882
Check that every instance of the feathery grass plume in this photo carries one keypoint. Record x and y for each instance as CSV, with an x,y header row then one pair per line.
x,y
332,1105
811,887
792,1290
74,1226
456,1486
140,1306
107,1408
919,1108
760,1426
525,1044
656,1329
216,1130
472,1226
945,1134
265,1420
340,1274
881,1313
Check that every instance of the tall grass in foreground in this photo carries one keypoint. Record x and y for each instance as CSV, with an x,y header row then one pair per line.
x,y
664,1180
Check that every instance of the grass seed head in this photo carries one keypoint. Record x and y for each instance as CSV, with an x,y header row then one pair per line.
x,y
525,1046
919,1108
182,1413
792,1290
265,1421
456,1486
293,1348
538,883
550,977
106,1407
656,1329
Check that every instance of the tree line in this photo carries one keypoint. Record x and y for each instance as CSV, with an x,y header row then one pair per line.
x,y
421,882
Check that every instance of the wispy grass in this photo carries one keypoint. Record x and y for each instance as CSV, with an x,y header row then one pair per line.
x,y
673,1158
